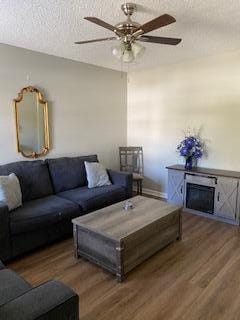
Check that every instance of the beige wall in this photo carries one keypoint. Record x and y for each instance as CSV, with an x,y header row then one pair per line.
x,y
87,104
163,102
88,109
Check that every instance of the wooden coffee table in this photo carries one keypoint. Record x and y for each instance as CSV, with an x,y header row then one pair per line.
x,y
119,240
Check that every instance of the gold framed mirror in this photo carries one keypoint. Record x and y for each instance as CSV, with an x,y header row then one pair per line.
x,y
31,117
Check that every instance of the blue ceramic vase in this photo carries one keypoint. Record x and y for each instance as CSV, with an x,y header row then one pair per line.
x,y
188,164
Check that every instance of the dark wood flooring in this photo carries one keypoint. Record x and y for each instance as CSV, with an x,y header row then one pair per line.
x,y
196,278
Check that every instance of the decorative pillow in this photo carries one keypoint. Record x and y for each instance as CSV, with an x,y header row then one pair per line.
x,y
10,191
96,175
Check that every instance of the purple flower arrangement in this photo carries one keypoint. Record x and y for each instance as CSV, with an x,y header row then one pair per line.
x,y
191,149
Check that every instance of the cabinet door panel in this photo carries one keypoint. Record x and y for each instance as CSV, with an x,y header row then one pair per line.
x,y
226,198
175,187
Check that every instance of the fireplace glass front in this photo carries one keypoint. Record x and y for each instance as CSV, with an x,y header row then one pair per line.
x,y
200,198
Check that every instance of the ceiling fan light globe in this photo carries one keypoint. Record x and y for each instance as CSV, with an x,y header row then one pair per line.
x,y
128,56
118,51
138,50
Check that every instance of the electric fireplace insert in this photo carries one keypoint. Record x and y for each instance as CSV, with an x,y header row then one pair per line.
x,y
200,198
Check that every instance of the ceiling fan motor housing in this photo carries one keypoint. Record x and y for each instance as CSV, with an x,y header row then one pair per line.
x,y
128,26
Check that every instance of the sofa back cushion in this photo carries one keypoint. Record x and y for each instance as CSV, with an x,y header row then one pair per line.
x,y
33,176
69,172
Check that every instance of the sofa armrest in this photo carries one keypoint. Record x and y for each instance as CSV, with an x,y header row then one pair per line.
x,y
1,265
123,179
5,243
49,301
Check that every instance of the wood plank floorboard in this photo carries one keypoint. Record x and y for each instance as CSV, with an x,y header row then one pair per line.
x,y
197,278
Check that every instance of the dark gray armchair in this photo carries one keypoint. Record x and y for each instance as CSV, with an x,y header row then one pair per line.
x,y
49,301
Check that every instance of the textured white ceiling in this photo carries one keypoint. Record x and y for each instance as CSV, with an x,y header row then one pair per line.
x,y
207,27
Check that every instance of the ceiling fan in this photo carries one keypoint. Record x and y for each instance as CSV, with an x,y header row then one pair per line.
x,y
130,32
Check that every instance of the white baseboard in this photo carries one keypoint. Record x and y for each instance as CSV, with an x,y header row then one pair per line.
x,y
153,193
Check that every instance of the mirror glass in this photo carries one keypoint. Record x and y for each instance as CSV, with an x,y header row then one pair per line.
x,y
31,123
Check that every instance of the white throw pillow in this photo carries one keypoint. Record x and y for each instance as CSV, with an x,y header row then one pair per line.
x,y
96,175
10,191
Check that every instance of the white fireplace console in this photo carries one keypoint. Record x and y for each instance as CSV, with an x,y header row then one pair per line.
x,y
208,192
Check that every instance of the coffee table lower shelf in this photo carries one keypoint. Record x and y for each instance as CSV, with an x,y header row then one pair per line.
x,y
120,256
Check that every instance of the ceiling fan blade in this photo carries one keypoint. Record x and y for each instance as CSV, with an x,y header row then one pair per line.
x,y
162,40
156,23
96,40
102,23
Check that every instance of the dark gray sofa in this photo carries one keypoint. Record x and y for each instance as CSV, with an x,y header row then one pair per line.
x,y
49,301
54,192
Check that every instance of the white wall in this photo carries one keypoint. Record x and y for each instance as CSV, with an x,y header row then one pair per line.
x,y
163,102
87,104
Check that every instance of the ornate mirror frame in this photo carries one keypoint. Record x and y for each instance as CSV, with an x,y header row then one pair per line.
x,y
44,105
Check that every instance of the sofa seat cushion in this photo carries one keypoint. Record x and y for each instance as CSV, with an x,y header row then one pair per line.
x,y
69,172
33,176
41,213
11,286
95,198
